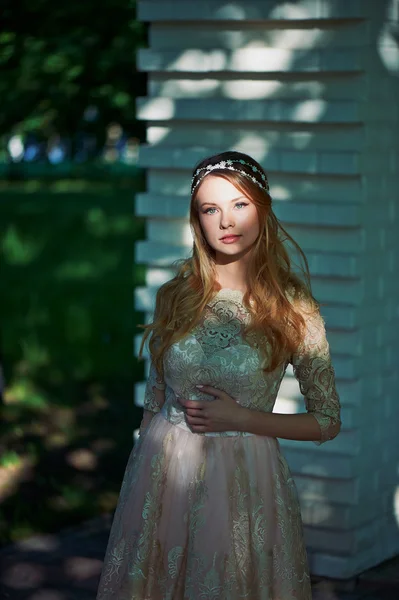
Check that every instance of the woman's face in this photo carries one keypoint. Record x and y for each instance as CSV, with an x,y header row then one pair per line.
x,y
224,210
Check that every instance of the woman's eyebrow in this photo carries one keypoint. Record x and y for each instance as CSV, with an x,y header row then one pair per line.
x,y
213,204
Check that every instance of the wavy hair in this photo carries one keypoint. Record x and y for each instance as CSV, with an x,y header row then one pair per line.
x,y
277,292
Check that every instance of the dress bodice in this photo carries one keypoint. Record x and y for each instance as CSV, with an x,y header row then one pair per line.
x,y
215,353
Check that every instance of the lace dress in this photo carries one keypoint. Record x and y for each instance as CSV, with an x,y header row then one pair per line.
x,y
216,516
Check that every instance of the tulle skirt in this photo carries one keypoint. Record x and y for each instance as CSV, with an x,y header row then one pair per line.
x,y
205,518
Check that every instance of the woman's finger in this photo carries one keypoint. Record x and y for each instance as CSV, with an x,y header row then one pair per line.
x,y
196,421
195,412
200,429
190,403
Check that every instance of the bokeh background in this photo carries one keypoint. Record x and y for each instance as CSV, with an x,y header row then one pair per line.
x,y
68,179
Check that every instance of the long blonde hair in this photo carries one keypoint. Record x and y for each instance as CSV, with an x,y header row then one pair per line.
x,y
273,286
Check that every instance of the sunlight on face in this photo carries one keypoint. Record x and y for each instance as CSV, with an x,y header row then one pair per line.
x,y
223,210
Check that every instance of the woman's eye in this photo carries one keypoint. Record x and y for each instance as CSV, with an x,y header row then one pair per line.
x,y
237,204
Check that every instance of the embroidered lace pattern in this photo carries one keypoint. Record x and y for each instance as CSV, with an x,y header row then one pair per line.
x,y
216,516
260,552
215,353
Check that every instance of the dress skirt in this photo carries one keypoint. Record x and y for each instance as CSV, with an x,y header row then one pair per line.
x,y
205,518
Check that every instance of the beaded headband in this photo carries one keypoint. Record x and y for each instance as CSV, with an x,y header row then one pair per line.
x,y
227,164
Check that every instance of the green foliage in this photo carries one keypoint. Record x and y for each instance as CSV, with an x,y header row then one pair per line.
x,y
68,278
68,327
67,235
57,60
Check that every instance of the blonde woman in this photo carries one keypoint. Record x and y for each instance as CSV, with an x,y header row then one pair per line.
x,y
208,509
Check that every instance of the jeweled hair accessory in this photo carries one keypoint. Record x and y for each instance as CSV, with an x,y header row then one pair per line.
x,y
228,164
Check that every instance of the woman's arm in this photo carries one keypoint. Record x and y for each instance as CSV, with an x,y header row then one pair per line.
x,y
290,427
316,377
154,396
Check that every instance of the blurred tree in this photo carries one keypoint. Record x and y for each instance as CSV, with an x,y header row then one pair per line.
x,y
69,68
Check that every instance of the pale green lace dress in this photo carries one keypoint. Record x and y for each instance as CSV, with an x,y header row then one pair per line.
x,y
216,516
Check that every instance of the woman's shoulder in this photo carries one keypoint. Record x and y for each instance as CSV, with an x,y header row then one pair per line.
x,y
301,298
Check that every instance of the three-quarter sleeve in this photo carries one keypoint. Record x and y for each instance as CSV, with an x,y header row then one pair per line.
x,y
316,376
154,381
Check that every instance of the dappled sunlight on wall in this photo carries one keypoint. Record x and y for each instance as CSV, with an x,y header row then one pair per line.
x,y
388,39
396,501
280,192
243,89
309,111
253,142
293,11
156,135
158,108
198,60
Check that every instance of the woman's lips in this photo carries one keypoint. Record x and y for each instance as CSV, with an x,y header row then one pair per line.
x,y
230,239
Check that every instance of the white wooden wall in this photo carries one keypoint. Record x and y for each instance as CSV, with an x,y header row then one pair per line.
x,y
310,89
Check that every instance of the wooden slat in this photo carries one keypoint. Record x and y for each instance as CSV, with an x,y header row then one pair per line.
x,y
251,10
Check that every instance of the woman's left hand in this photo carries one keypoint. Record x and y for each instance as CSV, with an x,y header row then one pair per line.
x,y
222,414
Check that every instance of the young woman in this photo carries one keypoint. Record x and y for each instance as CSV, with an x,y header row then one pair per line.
x,y
208,509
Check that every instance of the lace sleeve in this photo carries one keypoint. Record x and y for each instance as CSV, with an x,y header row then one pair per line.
x,y
316,376
151,400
